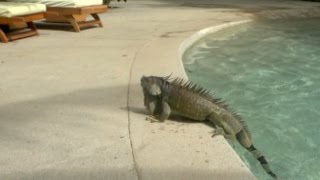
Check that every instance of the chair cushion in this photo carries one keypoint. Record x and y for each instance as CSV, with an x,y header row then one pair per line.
x,y
63,3
11,9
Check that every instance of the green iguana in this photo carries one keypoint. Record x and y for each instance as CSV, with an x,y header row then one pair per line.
x,y
163,96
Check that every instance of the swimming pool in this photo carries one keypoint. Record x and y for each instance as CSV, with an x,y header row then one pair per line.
x,y
268,71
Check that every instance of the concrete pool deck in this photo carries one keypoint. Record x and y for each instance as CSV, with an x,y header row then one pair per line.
x,y
71,106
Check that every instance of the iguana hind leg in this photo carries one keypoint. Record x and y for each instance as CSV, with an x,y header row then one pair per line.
x,y
221,128
220,131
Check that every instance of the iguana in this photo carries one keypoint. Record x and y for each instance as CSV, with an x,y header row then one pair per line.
x,y
165,95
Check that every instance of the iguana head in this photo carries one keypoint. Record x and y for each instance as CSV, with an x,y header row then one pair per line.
x,y
153,85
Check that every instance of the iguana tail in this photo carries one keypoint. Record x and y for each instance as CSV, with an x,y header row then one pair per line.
x,y
245,140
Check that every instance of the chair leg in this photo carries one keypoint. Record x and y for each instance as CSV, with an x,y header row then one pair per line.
x,y
97,18
73,22
3,36
31,26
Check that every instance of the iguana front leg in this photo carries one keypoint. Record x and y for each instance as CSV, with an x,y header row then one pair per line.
x,y
151,106
164,114
150,102
152,119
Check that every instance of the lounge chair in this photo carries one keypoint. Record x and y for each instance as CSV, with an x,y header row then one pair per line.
x,y
74,12
19,13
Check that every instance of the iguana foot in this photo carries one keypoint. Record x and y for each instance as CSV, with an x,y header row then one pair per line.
x,y
218,131
152,119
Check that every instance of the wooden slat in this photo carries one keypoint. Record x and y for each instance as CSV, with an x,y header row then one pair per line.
x,y
62,10
5,20
94,9
32,26
78,25
33,17
20,19
97,18
73,22
3,36
88,23
18,35
81,10
63,19
51,13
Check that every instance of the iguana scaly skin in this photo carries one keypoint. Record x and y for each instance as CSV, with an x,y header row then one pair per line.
x,y
163,97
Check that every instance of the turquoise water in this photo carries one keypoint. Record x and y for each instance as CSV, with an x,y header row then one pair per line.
x,y
268,71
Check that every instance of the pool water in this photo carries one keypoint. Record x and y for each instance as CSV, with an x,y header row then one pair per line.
x,y
268,71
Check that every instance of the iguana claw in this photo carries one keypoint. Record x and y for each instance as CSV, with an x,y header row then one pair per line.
x,y
152,119
218,131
